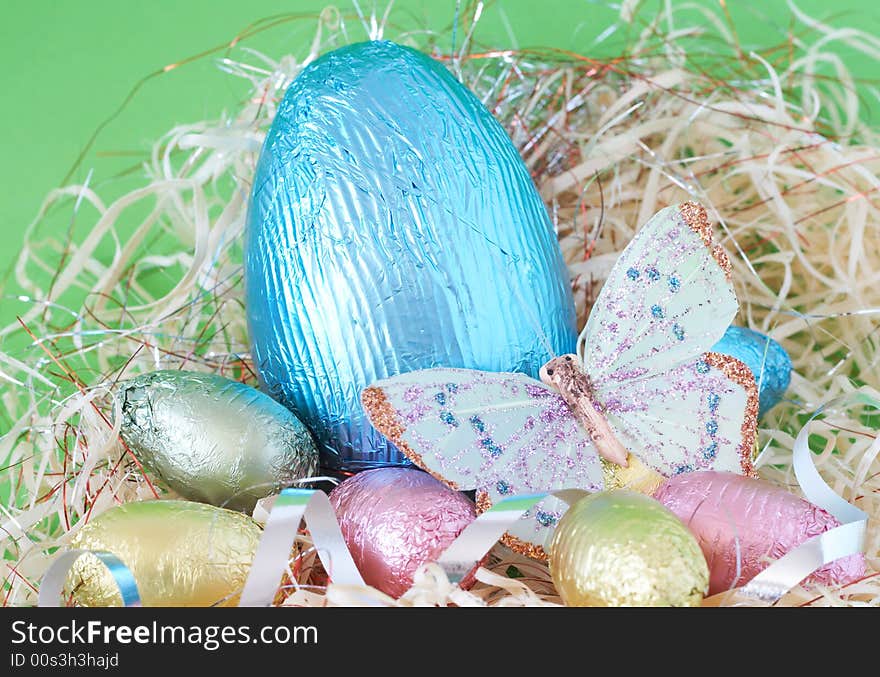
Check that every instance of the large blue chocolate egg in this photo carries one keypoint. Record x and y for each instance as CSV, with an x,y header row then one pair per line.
x,y
392,227
768,361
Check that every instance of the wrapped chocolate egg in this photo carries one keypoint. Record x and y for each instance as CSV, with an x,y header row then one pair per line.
x,y
180,554
621,548
392,227
767,360
743,524
396,519
214,440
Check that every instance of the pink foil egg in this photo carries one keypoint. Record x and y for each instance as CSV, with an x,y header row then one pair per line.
x,y
724,510
396,519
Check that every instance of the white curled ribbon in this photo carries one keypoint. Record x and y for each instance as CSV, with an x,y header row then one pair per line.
x,y
291,507
52,585
775,581
478,537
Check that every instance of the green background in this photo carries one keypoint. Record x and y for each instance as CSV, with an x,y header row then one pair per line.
x,y
67,65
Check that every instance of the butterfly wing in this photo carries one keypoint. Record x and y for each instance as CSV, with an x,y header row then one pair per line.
x,y
500,434
700,415
668,299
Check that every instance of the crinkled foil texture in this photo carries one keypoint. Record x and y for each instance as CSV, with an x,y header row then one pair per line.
x,y
396,519
181,554
392,227
768,361
727,512
621,548
212,439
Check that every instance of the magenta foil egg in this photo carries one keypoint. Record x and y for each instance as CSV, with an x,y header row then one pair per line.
x,y
724,510
396,519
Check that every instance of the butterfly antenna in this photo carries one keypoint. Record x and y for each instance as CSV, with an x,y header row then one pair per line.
x,y
582,342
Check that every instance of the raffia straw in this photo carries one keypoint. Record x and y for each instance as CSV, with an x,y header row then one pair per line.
x,y
776,151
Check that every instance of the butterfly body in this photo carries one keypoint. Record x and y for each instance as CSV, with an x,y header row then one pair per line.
x,y
642,390
565,376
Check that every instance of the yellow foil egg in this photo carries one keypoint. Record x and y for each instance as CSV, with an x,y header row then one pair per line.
x,y
181,554
621,548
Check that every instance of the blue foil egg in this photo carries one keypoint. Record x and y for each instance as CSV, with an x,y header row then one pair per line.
x,y
768,361
392,227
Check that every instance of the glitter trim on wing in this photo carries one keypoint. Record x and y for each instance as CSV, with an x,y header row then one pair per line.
x,y
695,216
537,552
386,420
740,374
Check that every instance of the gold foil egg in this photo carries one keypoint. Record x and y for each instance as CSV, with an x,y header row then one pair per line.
x,y
180,553
621,548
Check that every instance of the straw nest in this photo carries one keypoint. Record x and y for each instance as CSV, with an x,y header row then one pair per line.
x,y
772,143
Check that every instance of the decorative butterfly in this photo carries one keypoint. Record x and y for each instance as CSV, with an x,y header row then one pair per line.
x,y
642,383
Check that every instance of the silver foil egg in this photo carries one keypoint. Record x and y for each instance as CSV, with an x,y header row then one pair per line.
x,y
213,440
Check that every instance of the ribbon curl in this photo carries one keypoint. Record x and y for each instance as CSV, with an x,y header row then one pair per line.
x,y
52,586
292,506
769,586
